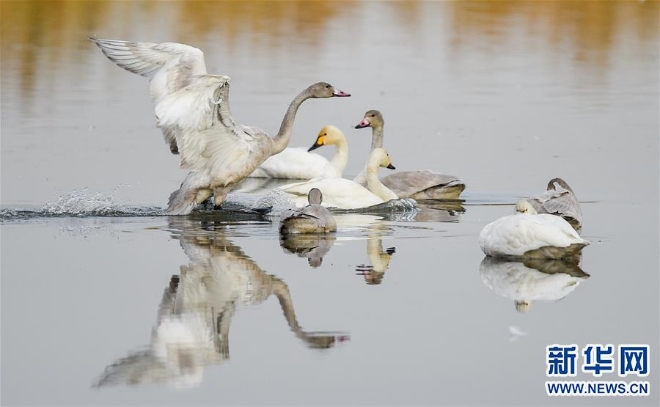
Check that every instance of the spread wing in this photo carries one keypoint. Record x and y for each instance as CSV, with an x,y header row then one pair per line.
x,y
169,67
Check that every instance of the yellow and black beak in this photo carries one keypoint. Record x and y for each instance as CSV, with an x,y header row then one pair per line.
x,y
320,141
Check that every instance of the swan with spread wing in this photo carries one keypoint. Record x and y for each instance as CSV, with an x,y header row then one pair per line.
x,y
192,110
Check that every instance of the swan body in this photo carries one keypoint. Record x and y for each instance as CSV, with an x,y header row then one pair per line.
x,y
424,184
525,282
346,194
559,199
192,109
530,235
298,163
314,218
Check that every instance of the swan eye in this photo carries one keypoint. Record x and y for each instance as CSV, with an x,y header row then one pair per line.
x,y
327,86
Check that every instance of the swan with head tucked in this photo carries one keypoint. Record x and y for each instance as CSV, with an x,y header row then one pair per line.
x,y
314,218
192,109
530,235
422,184
559,199
346,194
298,163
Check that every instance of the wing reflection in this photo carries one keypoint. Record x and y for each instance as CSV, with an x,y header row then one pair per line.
x,y
379,259
531,280
197,308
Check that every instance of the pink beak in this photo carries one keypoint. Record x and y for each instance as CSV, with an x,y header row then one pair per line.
x,y
340,93
363,123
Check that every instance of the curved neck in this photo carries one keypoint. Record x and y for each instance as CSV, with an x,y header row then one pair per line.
x,y
374,185
340,159
281,139
376,137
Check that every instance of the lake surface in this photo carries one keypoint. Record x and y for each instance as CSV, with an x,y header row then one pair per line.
x,y
395,309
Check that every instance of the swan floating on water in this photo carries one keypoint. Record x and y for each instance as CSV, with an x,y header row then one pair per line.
x,y
298,163
345,194
530,235
559,199
314,218
192,110
423,184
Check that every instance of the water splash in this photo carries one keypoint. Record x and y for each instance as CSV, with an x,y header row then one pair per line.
x,y
80,204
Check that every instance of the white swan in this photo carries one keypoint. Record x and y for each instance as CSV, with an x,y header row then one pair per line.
x,y
531,280
530,235
422,184
298,163
346,194
192,109
559,199
314,218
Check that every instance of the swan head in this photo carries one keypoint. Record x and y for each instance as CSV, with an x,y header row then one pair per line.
x,y
328,135
324,90
315,197
552,185
373,118
525,207
380,158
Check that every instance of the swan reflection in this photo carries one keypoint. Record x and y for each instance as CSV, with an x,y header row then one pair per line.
x,y
379,258
439,211
531,280
197,308
312,246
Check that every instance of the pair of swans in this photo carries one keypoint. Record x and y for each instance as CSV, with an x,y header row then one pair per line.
x,y
422,184
192,110
346,194
530,235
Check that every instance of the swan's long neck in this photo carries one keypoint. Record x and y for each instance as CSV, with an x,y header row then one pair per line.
x,y
374,185
340,159
376,137
281,140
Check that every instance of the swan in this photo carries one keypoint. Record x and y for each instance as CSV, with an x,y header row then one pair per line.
x,y
346,194
314,218
422,184
298,163
379,259
192,110
530,235
531,280
559,199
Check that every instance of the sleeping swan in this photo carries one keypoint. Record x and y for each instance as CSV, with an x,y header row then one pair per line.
x,y
530,235
423,184
346,194
298,163
192,109
559,199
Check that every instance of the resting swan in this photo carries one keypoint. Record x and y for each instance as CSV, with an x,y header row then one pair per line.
x,y
559,199
530,235
192,109
423,184
314,218
346,194
298,163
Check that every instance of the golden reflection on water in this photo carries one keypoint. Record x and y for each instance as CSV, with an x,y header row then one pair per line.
x,y
34,33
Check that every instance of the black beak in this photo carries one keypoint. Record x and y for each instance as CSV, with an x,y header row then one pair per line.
x,y
315,146
391,167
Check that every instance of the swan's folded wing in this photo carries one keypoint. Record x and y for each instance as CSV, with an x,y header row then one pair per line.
x,y
562,203
407,183
169,66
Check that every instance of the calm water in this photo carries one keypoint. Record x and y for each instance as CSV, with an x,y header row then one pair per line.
x,y
398,309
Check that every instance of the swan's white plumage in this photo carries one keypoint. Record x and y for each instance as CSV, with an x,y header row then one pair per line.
x,y
517,235
346,194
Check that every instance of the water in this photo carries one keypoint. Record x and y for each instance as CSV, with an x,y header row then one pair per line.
x,y
396,308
